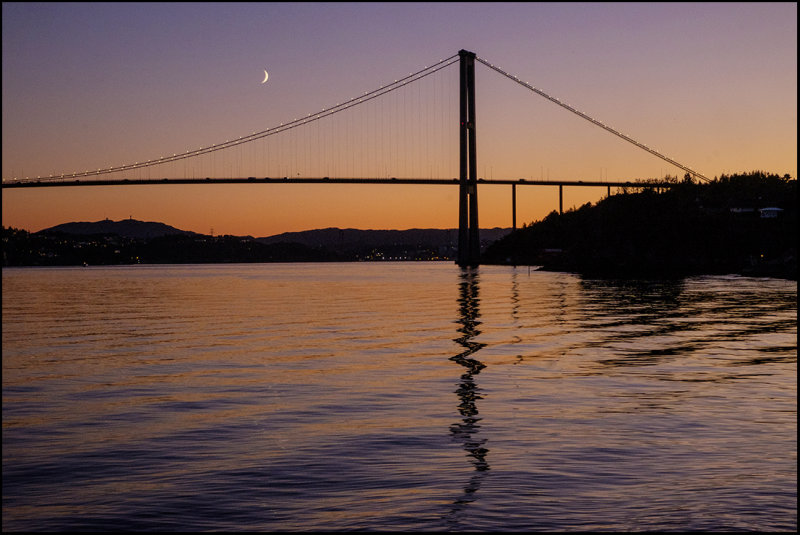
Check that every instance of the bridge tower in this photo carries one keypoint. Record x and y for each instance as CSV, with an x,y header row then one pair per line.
x,y
468,233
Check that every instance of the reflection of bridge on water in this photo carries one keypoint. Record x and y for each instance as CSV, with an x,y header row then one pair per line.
x,y
467,430
468,181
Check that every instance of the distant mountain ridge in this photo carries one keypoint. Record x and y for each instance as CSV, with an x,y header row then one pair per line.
x,y
126,228
348,238
341,240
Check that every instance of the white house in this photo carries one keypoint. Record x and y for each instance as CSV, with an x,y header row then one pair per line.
x,y
769,213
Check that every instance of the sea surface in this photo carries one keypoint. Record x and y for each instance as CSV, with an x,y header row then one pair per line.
x,y
395,396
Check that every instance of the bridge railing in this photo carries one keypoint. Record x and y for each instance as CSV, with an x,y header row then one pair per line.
x,y
89,181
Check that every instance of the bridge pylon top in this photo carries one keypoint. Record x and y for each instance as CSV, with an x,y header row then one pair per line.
x,y
463,53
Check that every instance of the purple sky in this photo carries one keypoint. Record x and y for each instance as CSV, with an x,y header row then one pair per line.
x,y
85,86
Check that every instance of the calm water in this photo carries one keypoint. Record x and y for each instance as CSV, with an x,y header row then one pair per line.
x,y
395,396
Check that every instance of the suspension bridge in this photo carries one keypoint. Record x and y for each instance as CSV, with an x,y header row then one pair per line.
x,y
307,143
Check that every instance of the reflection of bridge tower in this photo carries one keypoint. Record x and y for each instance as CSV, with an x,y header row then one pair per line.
x,y
468,391
468,234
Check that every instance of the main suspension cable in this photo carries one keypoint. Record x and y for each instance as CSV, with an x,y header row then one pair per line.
x,y
592,120
325,112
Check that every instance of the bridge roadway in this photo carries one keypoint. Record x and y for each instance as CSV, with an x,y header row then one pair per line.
x,y
47,183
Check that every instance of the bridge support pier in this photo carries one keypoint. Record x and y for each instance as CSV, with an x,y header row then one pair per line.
x,y
468,234
513,206
560,199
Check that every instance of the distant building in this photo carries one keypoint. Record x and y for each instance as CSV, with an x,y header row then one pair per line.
x,y
770,213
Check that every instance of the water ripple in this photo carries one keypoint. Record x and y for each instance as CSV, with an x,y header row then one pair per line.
x,y
404,397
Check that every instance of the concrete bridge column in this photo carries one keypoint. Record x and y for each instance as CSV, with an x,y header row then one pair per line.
x,y
513,206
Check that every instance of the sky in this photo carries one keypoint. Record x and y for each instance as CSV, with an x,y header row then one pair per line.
x,y
88,86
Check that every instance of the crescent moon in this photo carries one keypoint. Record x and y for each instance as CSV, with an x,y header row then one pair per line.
x,y
266,76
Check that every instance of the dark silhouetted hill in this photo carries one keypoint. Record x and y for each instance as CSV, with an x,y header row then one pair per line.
x,y
126,228
384,244
131,242
743,224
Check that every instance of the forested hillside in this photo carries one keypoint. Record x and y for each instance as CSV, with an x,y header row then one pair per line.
x,y
743,223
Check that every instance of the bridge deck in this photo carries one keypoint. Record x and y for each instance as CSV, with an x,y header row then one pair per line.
x,y
45,183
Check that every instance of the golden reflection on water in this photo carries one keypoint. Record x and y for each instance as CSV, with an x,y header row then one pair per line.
x,y
396,396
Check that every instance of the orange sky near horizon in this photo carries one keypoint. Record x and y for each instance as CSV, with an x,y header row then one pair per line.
x,y
288,208
713,86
